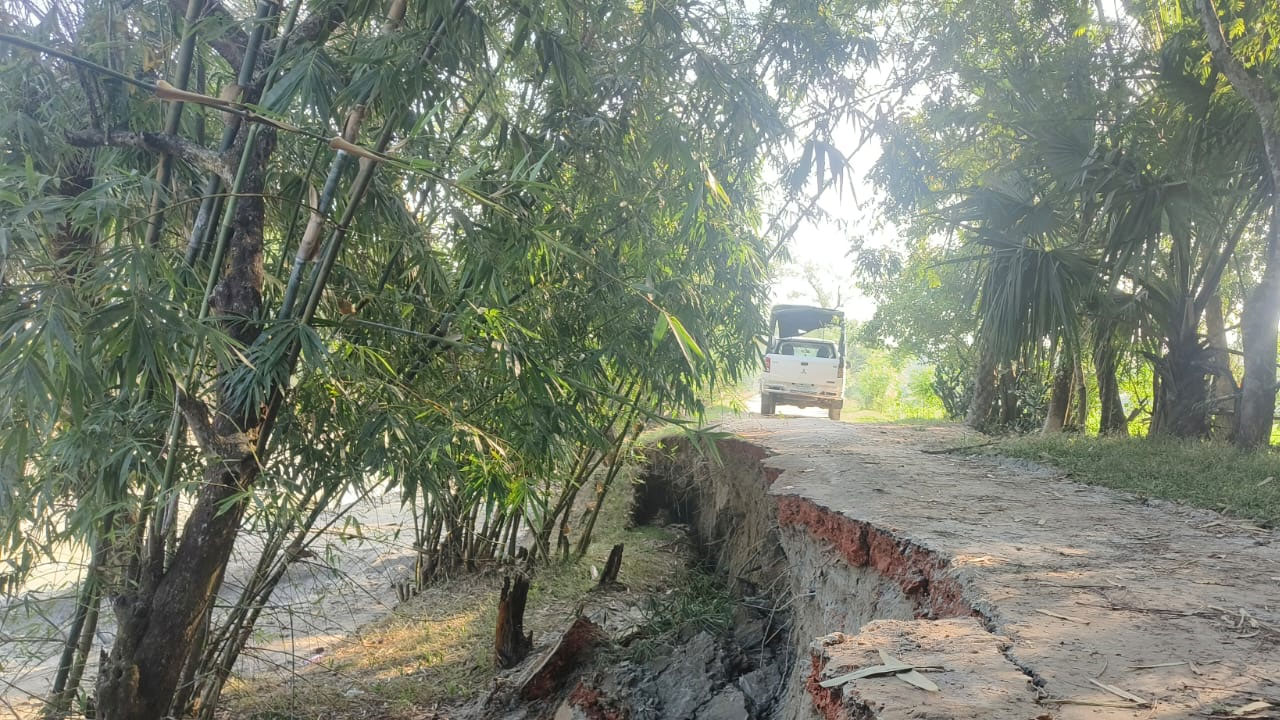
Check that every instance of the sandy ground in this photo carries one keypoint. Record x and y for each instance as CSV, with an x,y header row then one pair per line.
x,y
321,600
1177,606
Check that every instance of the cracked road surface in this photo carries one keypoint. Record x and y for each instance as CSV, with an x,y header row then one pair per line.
x,y
1175,606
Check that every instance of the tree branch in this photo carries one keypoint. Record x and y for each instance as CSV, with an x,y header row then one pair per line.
x,y
1213,276
198,156
197,415
231,42
1250,86
316,26
233,447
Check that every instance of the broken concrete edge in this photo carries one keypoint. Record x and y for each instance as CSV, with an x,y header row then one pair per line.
x,y
967,674
924,576
929,579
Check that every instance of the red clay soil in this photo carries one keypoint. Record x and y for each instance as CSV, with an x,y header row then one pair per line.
x,y
922,574
590,701
828,703
569,652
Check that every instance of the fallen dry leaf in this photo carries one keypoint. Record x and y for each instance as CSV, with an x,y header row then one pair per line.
x,y
1120,692
1062,617
871,671
914,678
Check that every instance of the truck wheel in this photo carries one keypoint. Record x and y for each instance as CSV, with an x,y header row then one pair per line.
x,y
833,413
767,404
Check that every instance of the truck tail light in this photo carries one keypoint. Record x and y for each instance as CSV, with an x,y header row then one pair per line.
x,y
768,363
840,369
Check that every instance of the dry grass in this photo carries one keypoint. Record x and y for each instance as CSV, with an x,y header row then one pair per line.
x,y
434,651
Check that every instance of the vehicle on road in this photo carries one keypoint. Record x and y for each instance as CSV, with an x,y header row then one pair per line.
x,y
803,366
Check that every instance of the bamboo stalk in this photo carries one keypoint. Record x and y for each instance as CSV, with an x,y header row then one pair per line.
x,y
584,540
204,216
86,598
321,273
83,648
309,244
155,219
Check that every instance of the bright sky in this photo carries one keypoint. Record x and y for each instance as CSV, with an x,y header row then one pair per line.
x,y
822,247
819,249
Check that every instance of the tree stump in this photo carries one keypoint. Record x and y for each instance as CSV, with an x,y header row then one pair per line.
x,y
510,644
609,578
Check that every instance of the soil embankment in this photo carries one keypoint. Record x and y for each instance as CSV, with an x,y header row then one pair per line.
x,y
1019,594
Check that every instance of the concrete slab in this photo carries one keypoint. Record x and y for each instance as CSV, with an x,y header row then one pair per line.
x,y
1177,606
975,680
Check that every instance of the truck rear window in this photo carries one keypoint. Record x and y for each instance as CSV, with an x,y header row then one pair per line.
x,y
803,349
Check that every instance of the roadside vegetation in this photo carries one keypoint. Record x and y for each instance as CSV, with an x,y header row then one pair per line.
x,y
1213,475
260,260
436,650
885,385
1087,220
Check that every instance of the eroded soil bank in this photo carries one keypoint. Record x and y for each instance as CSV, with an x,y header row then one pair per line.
x,y
1018,594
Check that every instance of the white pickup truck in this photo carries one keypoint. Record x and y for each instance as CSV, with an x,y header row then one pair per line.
x,y
803,371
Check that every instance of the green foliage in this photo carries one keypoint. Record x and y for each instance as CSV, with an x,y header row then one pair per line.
x,y
1068,182
890,384
1205,474
874,375
699,602
555,233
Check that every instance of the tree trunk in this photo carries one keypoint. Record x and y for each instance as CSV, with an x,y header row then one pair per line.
x,y
187,682
609,578
984,393
1080,393
1184,371
157,627
1055,418
1105,360
1157,404
1008,396
158,618
73,244
1224,386
1184,390
1258,331
513,537
1262,306
510,644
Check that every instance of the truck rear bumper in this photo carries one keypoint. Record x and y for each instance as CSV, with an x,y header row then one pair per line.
x,y
804,400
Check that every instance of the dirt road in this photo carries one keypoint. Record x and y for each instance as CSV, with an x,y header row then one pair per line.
x,y
1116,607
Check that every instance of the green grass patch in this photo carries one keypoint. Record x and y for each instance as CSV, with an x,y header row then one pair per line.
x,y
1206,474
701,601
881,417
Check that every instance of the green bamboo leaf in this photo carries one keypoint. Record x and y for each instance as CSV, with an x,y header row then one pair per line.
x,y
687,343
